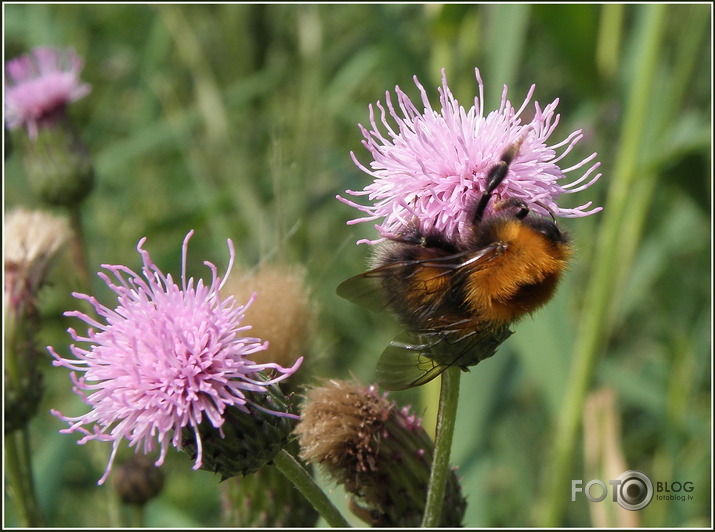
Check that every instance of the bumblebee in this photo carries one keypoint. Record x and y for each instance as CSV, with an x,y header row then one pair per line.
x,y
458,297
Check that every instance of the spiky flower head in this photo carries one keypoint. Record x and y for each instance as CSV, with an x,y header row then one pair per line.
x,y
430,167
378,451
168,358
39,85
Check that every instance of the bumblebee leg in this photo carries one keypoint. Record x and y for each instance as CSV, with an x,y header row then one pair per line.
x,y
496,175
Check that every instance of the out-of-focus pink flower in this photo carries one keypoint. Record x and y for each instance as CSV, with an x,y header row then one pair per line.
x,y
430,168
165,358
39,85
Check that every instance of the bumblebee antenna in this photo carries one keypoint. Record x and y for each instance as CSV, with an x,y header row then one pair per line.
x,y
496,175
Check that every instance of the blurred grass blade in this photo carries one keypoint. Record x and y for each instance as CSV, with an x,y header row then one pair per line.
x,y
608,52
598,302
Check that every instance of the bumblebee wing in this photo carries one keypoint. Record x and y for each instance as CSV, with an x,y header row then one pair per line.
x,y
405,364
368,289
415,358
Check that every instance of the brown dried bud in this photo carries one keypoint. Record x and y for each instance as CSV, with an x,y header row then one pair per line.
x,y
138,480
378,451
281,314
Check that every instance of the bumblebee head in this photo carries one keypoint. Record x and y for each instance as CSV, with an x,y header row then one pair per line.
x,y
547,228
514,208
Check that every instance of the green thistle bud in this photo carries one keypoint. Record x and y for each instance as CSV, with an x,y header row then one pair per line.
x,y
247,440
24,391
266,499
58,165
379,452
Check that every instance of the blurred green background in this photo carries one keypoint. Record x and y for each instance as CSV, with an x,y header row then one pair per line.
x,y
238,120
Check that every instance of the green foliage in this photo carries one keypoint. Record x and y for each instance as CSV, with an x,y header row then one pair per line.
x,y
238,121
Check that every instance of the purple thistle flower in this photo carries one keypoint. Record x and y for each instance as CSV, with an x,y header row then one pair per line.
x,y
432,167
39,85
167,357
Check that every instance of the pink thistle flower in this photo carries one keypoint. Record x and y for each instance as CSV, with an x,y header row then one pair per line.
x,y
39,85
166,357
432,168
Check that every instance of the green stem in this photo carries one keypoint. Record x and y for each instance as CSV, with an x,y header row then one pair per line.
x,y
12,335
77,245
446,417
302,480
19,477
26,452
19,363
136,515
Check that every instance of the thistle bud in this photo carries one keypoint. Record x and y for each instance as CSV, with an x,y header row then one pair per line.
x,y
38,88
58,165
138,480
282,316
249,437
32,240
23,391
379,452
266,499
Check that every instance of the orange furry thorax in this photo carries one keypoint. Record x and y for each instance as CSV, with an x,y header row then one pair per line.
x,y
520,278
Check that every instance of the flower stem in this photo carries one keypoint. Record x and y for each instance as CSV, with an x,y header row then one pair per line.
x,y
77,244
136,515
20,482
18,462
446,416
302,480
